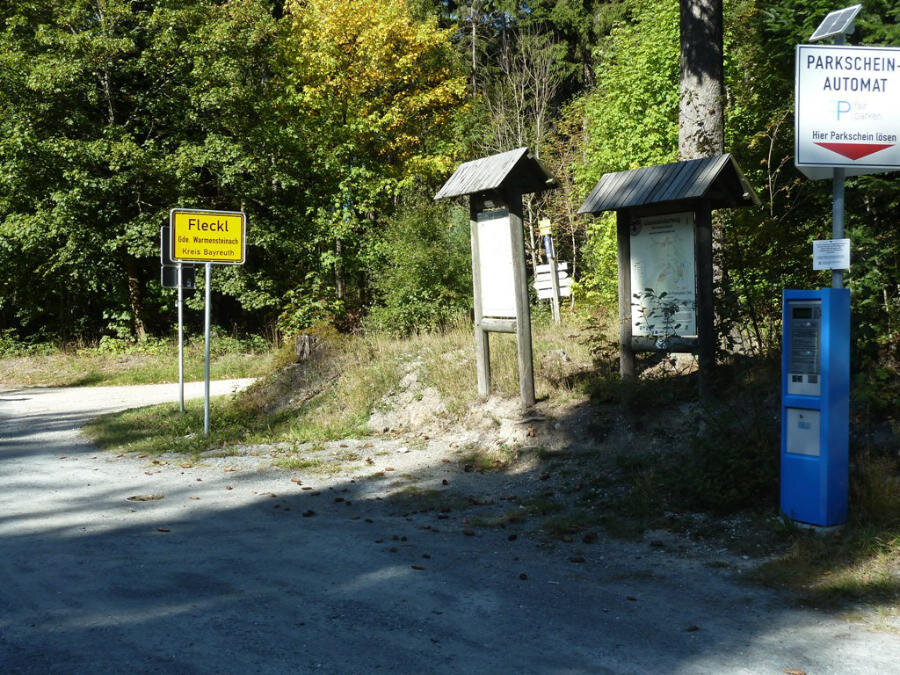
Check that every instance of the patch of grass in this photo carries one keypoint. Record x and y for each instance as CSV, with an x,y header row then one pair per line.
x,y
337,393
569,524
152,362
414,498
481,459
858,564
542,506
297,462
861,561
449,361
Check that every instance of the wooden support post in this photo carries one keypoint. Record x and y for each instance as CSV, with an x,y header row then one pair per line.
x,y
623,257
523,311
703,255
482,345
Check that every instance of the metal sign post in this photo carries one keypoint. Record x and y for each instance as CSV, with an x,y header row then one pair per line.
x,y
180,339
175,275
544,225
200,236
206,351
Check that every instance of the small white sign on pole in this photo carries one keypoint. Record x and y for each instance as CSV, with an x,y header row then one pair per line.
x,y
847,110
831,254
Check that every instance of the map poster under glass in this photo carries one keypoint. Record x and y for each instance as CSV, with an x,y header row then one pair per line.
x,y
495,259
662,276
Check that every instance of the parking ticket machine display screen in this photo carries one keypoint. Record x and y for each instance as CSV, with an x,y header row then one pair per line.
x,y
804,355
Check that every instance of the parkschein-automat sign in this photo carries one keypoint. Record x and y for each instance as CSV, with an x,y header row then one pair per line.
x,y
847,110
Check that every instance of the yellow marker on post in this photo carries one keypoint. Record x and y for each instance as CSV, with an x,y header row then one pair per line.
x,y
544,227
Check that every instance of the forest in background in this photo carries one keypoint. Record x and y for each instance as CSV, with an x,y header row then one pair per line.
x,y
332,123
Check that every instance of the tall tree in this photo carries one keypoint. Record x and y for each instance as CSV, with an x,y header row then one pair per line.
x,y
374,89
701,113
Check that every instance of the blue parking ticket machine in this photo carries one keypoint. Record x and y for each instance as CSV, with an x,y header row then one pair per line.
x,y
815,405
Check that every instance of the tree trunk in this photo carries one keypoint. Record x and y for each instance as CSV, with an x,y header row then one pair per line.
x,y
135,298
701,133
338,269
701,114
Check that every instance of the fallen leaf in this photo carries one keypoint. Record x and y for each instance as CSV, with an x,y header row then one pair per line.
x,y
195,497
388,468
307,488
794,671
297,481
186,465
229,468
229,487
163,529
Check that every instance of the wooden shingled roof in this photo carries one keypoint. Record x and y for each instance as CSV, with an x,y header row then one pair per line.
x,y
717,179
516,169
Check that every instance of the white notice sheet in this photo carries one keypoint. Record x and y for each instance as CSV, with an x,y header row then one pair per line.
x,y
498,289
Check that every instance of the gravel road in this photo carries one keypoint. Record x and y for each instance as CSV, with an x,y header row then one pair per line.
x,y
244,571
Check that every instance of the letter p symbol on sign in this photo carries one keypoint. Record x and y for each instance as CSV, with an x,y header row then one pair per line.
x,y
842,107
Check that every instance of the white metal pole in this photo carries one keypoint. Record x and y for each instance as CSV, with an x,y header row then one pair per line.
x,y
180,340
837,225
837,207
206,350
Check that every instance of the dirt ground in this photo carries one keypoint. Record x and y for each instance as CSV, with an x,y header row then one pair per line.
x,y
376,557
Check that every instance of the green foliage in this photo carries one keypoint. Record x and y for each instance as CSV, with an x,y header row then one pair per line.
x,y
632,114
631,120
112,113
425,278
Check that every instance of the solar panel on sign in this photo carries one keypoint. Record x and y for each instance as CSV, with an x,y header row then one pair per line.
x,y
838,22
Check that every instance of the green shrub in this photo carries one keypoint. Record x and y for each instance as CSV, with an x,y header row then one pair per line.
x,y
424,280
